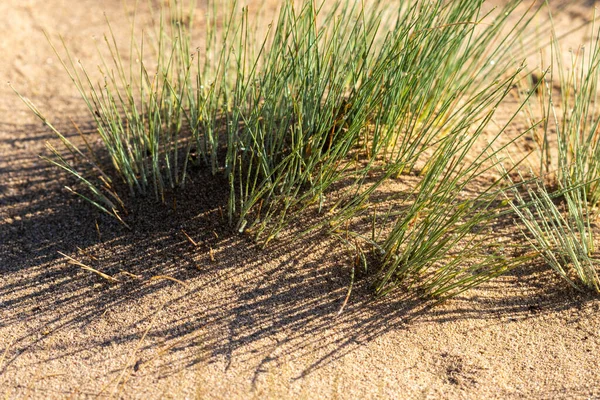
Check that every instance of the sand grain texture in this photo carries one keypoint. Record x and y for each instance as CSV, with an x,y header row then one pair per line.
x,y
251,324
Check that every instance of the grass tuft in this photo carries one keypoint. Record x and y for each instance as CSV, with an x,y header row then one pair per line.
x,y
349,96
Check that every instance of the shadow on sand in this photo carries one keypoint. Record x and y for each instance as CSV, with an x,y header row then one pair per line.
x,y
222,298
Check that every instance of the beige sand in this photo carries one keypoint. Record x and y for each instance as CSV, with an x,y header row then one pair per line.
x,y
253,323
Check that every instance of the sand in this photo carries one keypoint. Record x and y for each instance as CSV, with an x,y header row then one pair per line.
x,y
251,323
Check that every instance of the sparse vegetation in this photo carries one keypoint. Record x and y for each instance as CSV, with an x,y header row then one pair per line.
x,y
358,97
558,206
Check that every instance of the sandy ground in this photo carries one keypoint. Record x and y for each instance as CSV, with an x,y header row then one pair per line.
x,y
252,323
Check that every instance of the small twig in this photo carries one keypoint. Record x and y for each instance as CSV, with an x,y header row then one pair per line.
x,y
87,254
130,274
192,241
98,230
347,294
88,268
8,346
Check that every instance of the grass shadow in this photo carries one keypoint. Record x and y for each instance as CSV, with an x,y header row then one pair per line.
x,y
196,291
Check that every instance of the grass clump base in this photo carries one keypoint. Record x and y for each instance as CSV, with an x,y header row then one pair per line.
x,y
331,95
